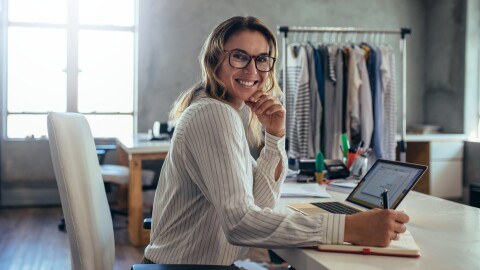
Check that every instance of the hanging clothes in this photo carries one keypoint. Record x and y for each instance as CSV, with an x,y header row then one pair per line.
x,y
333,89
388,80
321,64
359,98
333,102
316,106
297,101
373,66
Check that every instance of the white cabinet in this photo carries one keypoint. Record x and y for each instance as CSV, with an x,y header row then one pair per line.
x,y
443,154
446,160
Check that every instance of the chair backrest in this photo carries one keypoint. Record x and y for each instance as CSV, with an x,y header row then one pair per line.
x,y
82,193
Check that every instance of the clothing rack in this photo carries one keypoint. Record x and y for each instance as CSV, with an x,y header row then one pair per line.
x,y
403,32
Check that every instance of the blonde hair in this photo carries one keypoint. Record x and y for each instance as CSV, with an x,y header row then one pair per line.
x,y
210,61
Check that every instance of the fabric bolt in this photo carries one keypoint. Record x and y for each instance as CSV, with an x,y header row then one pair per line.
x,y
213,199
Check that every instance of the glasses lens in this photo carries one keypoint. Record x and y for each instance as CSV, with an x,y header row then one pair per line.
x,y
264,63
239,59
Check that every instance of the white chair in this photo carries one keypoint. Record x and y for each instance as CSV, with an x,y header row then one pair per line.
x,y
82,192
83,197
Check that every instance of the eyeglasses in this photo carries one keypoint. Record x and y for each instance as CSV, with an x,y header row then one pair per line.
x,y
238,59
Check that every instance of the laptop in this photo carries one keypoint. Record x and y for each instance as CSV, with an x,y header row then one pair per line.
x,y
394,177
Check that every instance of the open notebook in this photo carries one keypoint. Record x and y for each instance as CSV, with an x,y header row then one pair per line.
x,y
404,247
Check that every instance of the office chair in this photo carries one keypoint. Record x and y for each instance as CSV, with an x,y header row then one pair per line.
x,y
118,175
83,197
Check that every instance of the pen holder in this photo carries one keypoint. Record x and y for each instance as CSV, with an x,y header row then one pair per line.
x,y
359,167
319,177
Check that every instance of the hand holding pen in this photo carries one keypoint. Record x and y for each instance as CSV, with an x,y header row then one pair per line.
x,y
384,196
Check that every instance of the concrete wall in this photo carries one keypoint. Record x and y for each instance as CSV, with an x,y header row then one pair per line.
x,y
171,34
445,64
472,69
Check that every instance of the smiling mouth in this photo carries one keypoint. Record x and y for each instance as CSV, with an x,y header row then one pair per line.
x,y
246,83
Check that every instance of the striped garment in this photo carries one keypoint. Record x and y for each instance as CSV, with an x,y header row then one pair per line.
x,y
214,200
314,138
388,73
297,101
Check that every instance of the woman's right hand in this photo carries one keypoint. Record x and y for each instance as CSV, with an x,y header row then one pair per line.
x,y
375,227
270,112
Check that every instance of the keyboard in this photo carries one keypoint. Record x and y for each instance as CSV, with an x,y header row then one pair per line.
x,y
336,208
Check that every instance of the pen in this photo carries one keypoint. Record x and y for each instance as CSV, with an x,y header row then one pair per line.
x,y
384,196
359,148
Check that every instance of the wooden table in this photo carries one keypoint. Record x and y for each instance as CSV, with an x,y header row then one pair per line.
x,y
131,152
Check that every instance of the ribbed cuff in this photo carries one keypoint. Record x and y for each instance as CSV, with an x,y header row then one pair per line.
x,y
274,143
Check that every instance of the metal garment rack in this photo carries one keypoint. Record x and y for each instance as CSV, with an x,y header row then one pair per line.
x,y
402,32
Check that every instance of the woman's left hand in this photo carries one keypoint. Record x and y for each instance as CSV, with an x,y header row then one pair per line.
x,y
270,112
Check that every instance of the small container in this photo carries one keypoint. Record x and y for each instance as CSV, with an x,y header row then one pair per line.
x,y
359,167
319,177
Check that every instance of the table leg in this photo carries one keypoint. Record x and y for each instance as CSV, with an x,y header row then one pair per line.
x,y
135,204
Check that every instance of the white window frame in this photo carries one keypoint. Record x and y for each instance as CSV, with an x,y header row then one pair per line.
x,y
72,28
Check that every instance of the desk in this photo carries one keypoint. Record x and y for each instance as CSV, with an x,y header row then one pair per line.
x,y
447,233
131,152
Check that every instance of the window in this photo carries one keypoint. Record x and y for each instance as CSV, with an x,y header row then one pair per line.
x,y
70,55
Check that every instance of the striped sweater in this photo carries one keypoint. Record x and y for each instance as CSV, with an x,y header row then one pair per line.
x,y
214,200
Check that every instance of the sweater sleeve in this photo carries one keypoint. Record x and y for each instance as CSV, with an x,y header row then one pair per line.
x,y
266,189
215,141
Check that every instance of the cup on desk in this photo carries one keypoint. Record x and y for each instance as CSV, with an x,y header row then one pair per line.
x,y
319,177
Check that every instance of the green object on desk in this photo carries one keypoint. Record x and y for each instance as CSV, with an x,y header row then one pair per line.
x,y
345,144
319,159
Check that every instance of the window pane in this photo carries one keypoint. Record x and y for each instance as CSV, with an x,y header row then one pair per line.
x,y
107,12
36,59
21,126
107,126
36,11
105,83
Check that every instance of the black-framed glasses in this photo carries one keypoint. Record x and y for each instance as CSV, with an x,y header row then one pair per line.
x,y
239,59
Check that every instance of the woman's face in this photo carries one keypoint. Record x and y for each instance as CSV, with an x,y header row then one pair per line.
x,y
241,83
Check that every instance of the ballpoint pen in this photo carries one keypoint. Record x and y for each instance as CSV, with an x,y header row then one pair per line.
x,y
384,196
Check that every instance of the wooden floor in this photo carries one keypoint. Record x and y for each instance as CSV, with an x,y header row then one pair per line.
x,y
30,239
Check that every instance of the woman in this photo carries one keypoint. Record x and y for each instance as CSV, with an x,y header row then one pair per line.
x,y
213,199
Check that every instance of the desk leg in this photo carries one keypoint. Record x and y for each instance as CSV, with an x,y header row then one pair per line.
x,y
135,204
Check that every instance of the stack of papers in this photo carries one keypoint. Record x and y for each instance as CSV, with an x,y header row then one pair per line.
x,y
304,190
343,186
